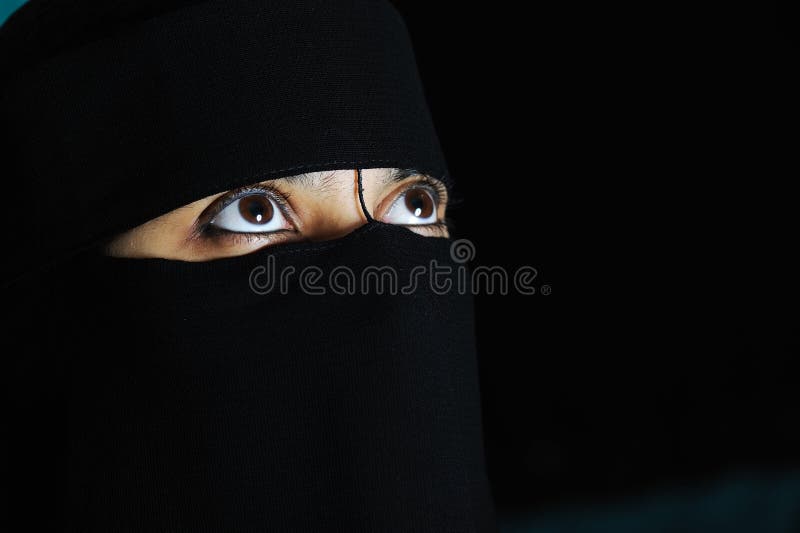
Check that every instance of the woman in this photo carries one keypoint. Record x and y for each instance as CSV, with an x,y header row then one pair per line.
x,y
183,152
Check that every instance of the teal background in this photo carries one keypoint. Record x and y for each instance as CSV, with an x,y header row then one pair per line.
x,y
754,502
7,7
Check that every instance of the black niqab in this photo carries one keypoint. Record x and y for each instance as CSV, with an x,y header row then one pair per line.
x,y
155,395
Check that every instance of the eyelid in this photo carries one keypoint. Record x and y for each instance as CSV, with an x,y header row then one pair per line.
x,y
280,198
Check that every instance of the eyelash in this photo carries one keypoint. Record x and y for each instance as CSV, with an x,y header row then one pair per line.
x,y
207,231
434,227
437,188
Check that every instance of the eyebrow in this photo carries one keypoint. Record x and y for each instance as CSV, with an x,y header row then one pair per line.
x,y
399,174
323,180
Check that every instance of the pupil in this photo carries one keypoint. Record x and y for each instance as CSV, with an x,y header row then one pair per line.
x,y
420,203
256,209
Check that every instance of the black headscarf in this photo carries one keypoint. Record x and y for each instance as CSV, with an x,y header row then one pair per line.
x,y
155,395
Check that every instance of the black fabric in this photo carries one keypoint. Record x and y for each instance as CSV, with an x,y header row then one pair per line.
x,y
166,396
195,100
196,404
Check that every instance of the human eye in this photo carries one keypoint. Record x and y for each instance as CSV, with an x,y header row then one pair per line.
x,y
250,213
286,210
418,204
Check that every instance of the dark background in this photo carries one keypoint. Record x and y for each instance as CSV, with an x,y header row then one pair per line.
x,y
647,183
644,163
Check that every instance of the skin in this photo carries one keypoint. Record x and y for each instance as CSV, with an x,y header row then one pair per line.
x,y
324,205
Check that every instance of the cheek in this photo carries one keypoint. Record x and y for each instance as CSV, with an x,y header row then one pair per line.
x,y
164,237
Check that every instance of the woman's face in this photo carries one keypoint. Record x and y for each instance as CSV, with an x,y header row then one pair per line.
x,y
306,207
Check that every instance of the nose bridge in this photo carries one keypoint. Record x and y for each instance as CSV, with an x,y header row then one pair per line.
x,y
342,211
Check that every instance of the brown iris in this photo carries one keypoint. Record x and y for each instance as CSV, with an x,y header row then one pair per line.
x,y
419,202
256,209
